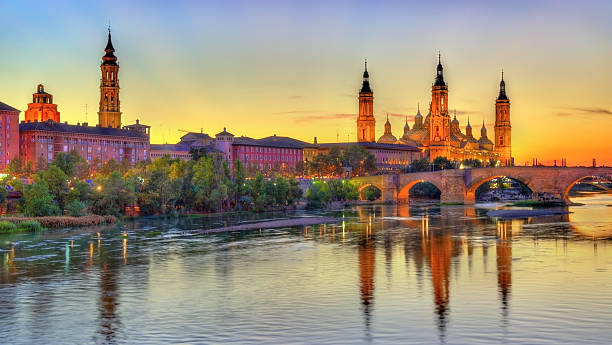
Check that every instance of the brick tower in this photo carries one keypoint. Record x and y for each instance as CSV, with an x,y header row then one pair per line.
x,y
439,123
42,107
366,123
109,114
503,136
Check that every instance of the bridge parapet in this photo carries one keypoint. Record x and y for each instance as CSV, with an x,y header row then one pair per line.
x,y
459,185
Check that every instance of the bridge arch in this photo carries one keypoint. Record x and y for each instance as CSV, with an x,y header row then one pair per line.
x,y
470,192
362,188
567,189
403,194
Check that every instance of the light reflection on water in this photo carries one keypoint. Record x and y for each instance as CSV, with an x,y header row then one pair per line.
x,y
381,274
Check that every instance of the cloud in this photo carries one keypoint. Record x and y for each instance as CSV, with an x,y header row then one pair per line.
x,y
311,118
583,113
297,97
293,112
592,111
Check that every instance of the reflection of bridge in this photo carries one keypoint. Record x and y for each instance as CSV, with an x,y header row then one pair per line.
x,y
459,185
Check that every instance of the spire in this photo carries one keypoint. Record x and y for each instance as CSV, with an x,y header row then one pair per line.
x,y
502,89
439,72
468,125
418,108
365,86
109,58
483,126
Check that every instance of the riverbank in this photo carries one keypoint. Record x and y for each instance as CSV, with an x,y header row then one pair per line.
x,y
25,224
280,223
511,214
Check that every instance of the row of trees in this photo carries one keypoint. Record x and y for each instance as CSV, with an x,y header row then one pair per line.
x,y
163,186
443,163
358,159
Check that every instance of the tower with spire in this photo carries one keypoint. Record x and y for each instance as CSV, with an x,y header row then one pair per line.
x,y
503,135
109,114
366,123
439,123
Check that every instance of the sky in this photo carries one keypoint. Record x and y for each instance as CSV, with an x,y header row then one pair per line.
x,y
293,68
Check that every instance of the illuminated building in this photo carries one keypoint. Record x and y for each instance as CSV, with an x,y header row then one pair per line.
x,y
9,134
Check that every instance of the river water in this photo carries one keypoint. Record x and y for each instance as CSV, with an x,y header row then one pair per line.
x,y
380,275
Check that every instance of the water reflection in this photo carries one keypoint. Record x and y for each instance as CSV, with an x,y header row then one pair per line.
x,y
367,261
426,259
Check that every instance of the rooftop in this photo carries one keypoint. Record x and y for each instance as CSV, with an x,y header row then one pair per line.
x,y
273,141
372,145
6,107
51,126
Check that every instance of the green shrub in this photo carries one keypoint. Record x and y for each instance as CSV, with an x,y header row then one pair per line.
x,y
6,227
76,208
30,226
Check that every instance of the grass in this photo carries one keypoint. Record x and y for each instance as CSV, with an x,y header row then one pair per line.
x,y
537,203
61,221
7,227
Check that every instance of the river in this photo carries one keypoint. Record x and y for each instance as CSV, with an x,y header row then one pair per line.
x,y
379,275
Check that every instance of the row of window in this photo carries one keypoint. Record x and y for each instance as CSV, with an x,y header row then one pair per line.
x,y
242,149
268,158
77,141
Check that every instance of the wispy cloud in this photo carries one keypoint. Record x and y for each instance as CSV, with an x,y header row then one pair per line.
x,y
592,111
583,113
289,112
327,117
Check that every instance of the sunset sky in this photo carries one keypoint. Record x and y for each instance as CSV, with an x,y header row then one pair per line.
x,y
294,68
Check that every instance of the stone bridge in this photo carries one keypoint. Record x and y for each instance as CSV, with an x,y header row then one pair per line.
x,y
459,185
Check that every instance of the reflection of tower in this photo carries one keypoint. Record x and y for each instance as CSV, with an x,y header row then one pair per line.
x,y
439,123
504,261
503,137
110,113
367,253
438,249
109,320
366,123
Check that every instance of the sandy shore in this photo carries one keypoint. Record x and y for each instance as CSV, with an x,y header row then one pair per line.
x,y
281,223
506,214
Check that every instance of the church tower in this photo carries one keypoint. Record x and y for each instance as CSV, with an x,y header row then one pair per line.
x,y
109,114
439,123
366,123
503,137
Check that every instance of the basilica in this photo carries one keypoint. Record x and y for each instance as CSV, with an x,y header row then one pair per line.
x,y
436,135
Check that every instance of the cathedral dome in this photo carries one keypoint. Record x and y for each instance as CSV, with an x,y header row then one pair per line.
x,y
388,137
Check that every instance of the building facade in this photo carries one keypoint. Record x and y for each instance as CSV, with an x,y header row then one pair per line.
x,y
270,152
9,134
439,136
94,143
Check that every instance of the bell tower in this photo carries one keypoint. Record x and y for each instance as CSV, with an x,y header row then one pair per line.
x,y
366,123
503,136
439,123
109,114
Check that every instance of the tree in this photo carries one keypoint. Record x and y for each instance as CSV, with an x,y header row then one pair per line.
x,y
38,201
57,182
113,194
318,195
442,163
359,159
72,164
419,165
471,163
